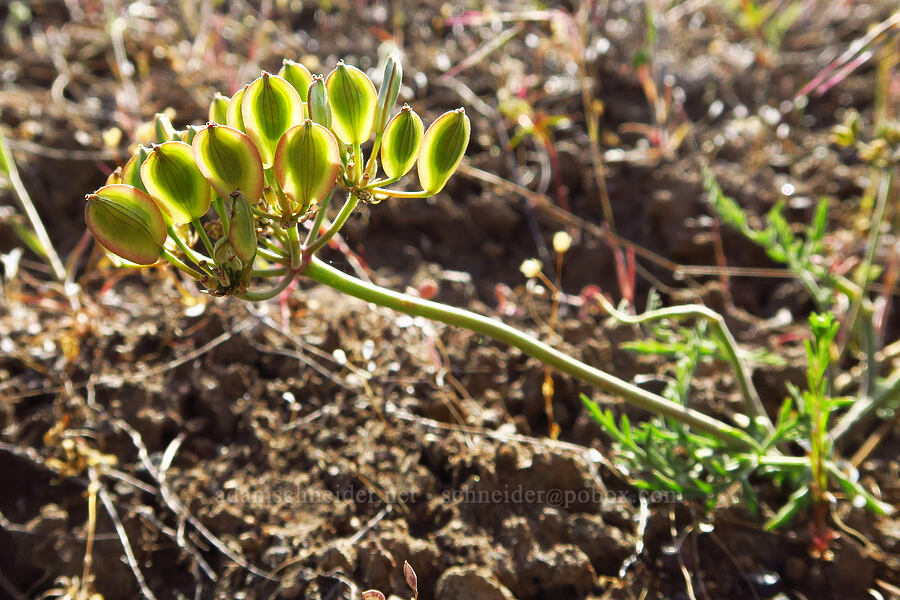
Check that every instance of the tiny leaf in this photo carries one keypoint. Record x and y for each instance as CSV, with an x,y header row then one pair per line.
x,y
307,163
127,222
353,103
319,109
172,178
401,142
442,149
411,580
270,107
229,160
389,91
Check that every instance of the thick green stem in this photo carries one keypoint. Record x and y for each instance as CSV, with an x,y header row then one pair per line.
x,y
293,238
503,333
346,211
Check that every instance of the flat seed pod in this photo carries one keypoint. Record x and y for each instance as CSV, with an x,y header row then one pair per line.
x,y
218,109
131,172
353,103
233,116
270,107
442,149
229,161
307,163
127,222
242,233
172,178
298,76
388,92
319,109
401,142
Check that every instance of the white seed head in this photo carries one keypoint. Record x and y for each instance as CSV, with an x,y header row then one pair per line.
x,y
531,268
562,241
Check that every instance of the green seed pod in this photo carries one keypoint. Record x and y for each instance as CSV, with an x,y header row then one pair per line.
x,y
298,76
242,233
307,163
400,144
353,103
131,172
442,149
218,109
127,222
114,177
187,134
162,125
270,107
229,160
388,92
319,109
224,256
172,178
233,116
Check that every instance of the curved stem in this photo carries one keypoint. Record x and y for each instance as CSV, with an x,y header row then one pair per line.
x,y
259,296
400,193
379,182
346,211
751,398
552,357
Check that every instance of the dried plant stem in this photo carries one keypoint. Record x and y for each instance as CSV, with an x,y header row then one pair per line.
x,y
8,165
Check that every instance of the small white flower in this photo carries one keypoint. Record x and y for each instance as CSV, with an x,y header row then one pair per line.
x,y
531,268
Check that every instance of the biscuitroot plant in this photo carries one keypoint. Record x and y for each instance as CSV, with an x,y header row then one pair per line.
x,y
226,204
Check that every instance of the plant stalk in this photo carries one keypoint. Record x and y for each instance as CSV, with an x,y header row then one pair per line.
x,y
728,435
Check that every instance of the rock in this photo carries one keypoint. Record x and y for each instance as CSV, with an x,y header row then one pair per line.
x,y
469,582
